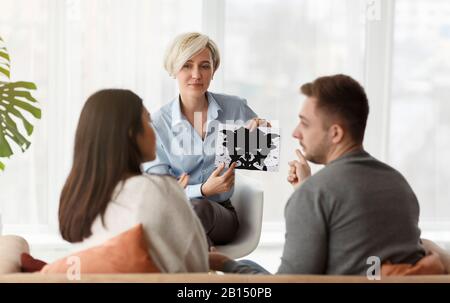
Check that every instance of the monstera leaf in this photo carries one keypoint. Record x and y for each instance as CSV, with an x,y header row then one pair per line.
x,y
15,100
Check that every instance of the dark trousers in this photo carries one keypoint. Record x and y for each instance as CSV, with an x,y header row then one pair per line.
x,y
219,220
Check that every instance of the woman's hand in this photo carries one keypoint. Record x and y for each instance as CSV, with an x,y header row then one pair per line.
x,y
299,170
183,180
255,122
217,184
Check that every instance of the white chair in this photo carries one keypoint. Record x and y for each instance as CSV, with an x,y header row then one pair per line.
x,y
248,201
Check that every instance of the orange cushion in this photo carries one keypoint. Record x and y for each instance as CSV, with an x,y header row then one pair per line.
x,y
125,253
30,264
428,265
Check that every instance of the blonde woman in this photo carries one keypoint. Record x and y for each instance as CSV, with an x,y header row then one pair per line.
x,y
187,129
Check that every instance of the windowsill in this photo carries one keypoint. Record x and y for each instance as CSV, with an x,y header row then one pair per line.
x,y
44,242
436,231
272,234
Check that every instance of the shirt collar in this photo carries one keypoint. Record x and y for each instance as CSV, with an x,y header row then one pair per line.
x,y
176,112
213,109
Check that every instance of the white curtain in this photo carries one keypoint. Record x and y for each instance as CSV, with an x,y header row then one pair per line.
x,y
70,49
419,143
271,48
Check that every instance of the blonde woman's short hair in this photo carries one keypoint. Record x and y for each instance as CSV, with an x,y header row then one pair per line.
x,y
184,47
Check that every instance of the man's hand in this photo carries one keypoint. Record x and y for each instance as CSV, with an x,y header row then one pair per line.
x,y
217,184
183,180
299,170
217,260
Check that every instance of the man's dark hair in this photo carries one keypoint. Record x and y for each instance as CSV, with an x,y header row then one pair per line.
x,y
344,97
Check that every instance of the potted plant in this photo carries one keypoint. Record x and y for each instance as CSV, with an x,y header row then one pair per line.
x,y
15,100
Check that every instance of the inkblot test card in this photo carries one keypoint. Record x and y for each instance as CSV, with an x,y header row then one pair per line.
x,y
256,150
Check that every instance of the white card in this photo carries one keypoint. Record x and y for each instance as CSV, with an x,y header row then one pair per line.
x,y
257,150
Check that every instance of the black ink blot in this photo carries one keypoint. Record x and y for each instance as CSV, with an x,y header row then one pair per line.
x,y
249,149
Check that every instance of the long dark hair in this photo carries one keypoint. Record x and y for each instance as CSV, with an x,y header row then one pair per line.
x,y
105,152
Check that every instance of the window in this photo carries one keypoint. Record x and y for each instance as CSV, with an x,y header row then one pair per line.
x,y
70,49
419,142
269,54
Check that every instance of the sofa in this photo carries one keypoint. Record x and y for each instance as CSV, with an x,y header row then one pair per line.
x,y
211,278
11,248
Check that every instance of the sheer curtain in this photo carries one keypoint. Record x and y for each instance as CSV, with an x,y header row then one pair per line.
x,y
270,53
419,142
70,49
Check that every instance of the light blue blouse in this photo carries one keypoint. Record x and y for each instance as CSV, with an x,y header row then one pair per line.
x,y
180,149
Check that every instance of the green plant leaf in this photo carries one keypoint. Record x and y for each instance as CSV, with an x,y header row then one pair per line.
x,y
5,72
23,84
5,149
15,99
4,60
4,54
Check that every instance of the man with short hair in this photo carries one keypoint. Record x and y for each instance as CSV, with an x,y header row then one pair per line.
x,y
355,208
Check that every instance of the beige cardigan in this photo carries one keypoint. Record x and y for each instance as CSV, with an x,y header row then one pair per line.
x,y
176,236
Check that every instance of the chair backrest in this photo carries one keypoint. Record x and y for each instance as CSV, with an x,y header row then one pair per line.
x,y
248,201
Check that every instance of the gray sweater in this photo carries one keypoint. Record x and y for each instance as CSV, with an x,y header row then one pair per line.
x,y
354,208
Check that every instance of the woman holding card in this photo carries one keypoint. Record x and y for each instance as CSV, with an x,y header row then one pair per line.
x,y
187,130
